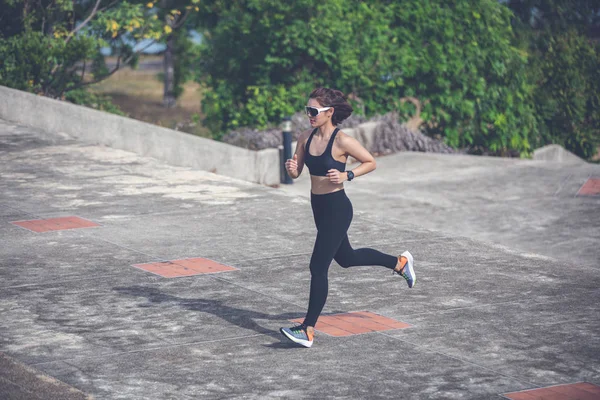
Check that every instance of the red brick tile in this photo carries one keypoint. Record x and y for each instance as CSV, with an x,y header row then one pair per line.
x,y
521,396
389,322
181,270
590,188
333,331
326,328
63,224
35,225
574,392
169,274
184,267
75,222
345,325
55,224
159,268
354,323
588,387
203,265
577,391
364,322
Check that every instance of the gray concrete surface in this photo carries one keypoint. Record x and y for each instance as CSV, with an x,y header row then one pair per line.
x,y
526,206
487,318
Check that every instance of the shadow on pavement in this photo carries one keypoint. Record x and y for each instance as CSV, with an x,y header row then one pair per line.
x,y
236,316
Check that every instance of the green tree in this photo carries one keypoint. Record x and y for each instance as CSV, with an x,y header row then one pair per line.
x,y
261,58
561,37
177,54
47,46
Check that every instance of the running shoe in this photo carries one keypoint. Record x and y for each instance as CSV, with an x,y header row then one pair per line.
x,y
407,271
298,334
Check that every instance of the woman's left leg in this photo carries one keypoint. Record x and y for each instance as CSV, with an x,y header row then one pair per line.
x,y
347,257
333,214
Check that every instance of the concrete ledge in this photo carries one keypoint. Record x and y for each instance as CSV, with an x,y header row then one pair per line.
x,y
173,147
556,153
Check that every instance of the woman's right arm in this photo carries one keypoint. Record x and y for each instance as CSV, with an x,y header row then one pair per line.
x,y
295,165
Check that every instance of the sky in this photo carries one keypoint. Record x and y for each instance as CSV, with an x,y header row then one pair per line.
x,y
157,47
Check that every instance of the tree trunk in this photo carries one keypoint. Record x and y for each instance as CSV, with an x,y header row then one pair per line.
x,y
169,100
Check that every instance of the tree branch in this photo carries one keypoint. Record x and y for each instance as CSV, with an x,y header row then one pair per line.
x,y
180,23
85,21
83,70
108,6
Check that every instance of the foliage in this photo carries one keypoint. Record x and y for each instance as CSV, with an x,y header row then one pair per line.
x,y
461,63
567,98
558,16
92,100
27,62
45,47
261,58
561,38
185,54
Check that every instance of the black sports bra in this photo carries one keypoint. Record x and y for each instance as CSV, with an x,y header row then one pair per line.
x,y
319,165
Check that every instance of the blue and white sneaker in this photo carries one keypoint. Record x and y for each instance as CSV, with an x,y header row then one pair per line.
x,y
407,271
298,334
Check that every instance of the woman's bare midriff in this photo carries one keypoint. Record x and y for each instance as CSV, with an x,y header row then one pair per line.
x,y
322,185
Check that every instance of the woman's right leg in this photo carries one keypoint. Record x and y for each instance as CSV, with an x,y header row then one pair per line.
x,y
333,215
326,244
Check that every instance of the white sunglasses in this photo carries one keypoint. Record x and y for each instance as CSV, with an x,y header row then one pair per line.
x,y
314,111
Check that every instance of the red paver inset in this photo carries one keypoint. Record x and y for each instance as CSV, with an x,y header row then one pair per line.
x,y
355,323
55,224
590,188
184,267
575,391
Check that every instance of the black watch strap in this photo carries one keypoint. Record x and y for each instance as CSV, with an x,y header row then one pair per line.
x,y
350,175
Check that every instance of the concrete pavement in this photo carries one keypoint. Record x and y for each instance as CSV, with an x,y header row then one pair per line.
x,y
486,318
523,205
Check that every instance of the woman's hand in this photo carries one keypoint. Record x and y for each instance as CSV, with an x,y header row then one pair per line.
x,y
291,165
336,177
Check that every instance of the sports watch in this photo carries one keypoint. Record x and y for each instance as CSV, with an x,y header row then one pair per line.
x,y
350,175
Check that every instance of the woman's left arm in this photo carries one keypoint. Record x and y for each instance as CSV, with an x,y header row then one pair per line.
x,y
353,148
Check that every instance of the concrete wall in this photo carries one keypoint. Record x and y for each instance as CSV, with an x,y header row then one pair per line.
x,y
556,153
173,147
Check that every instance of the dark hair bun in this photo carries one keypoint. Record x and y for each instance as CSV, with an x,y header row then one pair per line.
x,y
336,99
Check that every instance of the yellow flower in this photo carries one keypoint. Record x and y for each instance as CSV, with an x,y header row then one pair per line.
x,y
150,5
196,8
114,26
168,29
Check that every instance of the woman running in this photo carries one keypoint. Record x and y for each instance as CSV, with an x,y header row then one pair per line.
x,y
324,150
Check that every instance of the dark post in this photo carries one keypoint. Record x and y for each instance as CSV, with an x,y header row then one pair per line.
x,y
286,127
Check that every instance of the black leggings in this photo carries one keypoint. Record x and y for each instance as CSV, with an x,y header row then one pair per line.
x,y
333,214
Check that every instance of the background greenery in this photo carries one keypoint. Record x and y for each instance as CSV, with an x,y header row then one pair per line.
x,y
495,77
